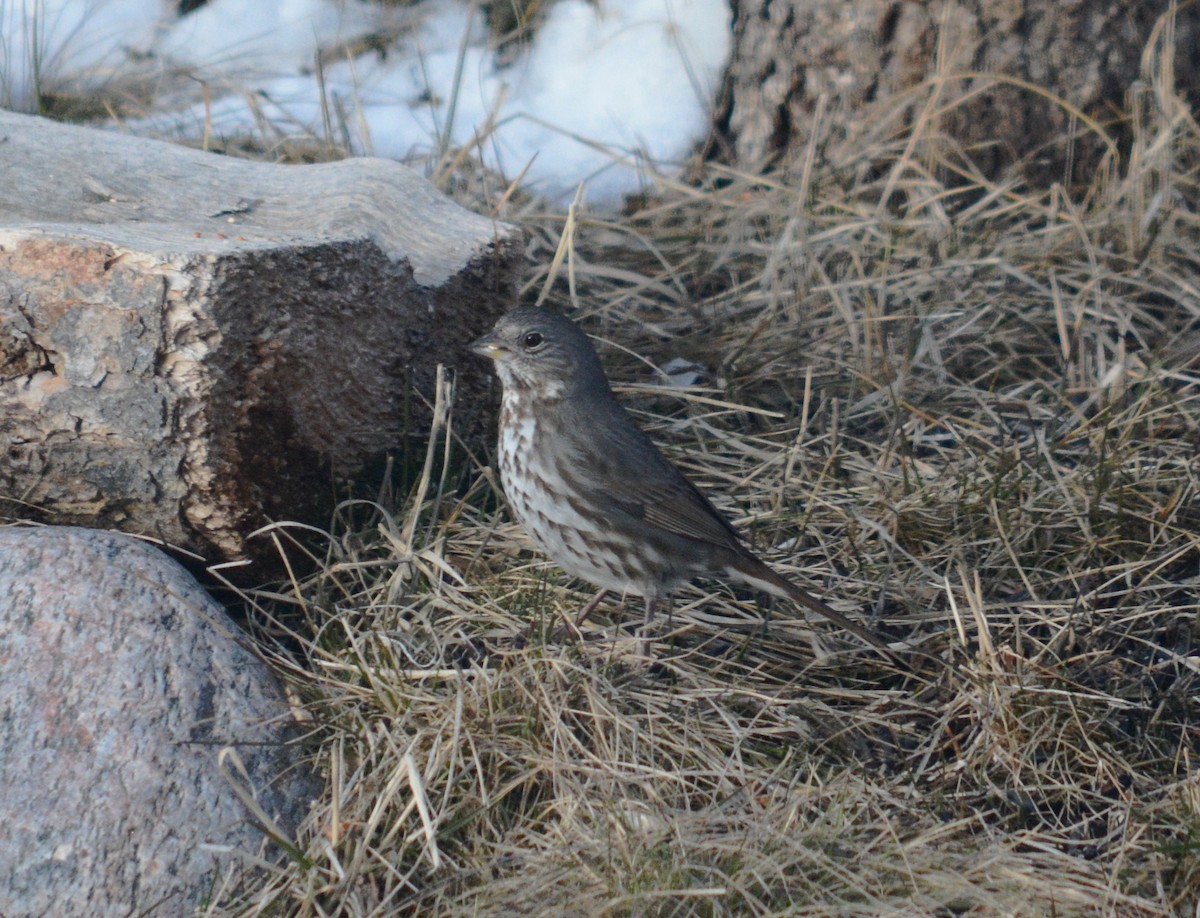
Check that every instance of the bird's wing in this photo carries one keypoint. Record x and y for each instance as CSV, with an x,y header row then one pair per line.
x,y
687,512
632,476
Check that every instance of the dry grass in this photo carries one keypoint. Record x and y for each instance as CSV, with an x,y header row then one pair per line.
x,y
966,411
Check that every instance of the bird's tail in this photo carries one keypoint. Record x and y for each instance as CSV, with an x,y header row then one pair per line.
x,y
757,574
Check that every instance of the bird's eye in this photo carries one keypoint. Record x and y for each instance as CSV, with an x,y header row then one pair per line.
x,y
532,340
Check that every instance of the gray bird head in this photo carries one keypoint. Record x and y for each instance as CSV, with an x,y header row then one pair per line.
x,y
544,353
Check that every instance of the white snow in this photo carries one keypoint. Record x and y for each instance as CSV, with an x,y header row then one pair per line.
x,y
605,93
226,37
44,42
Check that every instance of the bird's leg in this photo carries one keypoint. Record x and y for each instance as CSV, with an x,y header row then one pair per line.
x,y
574,624
589,608
651,603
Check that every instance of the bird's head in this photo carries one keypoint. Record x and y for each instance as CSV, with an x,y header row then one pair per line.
x,y
543,353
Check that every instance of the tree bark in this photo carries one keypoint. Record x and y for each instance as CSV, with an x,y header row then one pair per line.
x,y
192,345
977,68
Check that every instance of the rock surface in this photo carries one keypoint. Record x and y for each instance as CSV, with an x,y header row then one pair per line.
x,y
121,683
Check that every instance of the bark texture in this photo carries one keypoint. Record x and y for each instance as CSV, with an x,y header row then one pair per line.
x,y
192,345
877,65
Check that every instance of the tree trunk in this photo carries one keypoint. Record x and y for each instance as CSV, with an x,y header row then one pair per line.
x,y
971,70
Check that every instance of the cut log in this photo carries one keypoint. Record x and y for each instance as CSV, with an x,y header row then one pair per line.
x,y
192,345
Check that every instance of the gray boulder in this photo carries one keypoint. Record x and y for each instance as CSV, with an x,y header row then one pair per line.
x,y
120,683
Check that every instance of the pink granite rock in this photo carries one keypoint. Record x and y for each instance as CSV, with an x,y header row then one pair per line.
x,y
120,682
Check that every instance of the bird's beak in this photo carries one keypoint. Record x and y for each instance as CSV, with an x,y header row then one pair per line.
x,y
488,346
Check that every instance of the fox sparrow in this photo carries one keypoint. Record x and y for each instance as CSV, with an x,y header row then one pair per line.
x,y
593,491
